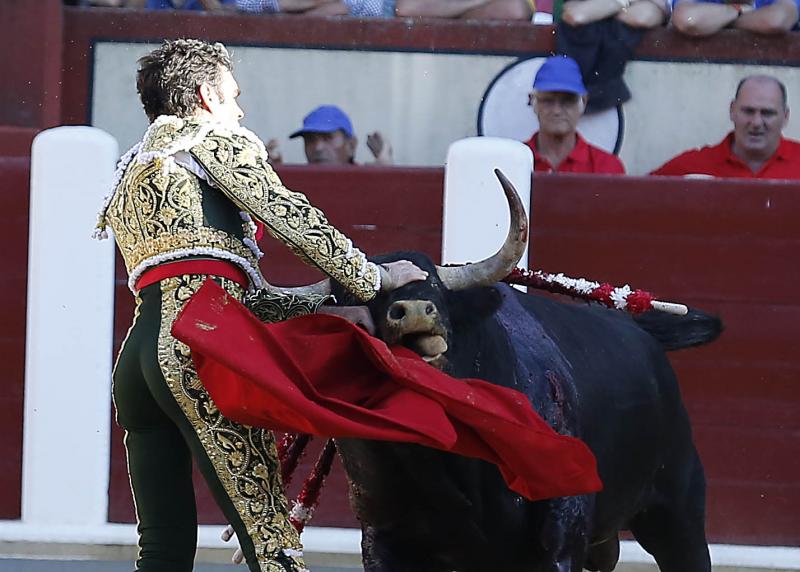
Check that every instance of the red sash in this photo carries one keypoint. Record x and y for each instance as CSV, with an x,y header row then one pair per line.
x,y
221,268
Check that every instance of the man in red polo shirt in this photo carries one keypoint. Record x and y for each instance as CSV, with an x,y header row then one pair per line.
x,y
756,148
558,99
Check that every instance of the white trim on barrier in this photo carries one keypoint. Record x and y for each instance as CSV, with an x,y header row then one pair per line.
x,y
348,541
315,539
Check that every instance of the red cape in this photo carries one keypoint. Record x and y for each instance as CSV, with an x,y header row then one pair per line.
x,y
320,374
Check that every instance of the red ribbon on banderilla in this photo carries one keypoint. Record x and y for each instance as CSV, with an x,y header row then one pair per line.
x,y
616,297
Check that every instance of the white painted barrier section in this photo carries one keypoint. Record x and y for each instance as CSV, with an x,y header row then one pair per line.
x,y
65,466
476,218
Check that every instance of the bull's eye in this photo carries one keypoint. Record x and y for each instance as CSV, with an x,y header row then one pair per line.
x,y
397,312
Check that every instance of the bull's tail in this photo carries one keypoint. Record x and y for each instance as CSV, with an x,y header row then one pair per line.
x,y
677,332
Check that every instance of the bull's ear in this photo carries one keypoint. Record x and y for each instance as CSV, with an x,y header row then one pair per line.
x,y
473,304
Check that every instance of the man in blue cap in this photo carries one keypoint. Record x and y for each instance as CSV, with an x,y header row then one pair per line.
x,y
558,100
329,139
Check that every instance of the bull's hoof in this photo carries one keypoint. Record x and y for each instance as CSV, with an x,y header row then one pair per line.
x,y
603,557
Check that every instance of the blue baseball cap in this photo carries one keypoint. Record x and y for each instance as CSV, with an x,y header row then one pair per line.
x,y
325,119
559,73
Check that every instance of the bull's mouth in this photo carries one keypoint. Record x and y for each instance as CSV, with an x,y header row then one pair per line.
x,y
430,347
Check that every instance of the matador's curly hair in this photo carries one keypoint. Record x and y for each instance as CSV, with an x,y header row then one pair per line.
x,y
169,78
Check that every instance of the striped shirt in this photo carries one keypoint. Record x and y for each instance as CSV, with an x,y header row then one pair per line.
x,y
359,8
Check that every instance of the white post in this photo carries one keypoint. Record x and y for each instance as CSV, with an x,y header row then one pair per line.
x,y
475,210
65,466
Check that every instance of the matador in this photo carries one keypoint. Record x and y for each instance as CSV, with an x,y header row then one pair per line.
x,y
184,207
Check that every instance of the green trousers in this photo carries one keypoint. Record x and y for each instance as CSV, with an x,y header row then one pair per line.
x,y
169,419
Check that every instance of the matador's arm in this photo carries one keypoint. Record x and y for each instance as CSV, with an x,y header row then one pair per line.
x,y
237,165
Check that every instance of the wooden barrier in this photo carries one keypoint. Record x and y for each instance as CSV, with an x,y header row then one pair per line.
x,y
722,246
14,176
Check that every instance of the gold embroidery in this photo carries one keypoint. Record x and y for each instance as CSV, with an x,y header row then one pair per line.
x,y
236,167
244,458
156,212
271,306
171,133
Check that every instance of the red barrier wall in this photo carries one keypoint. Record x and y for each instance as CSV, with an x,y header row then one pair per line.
x,y
721,246
14,181
724,247
31,64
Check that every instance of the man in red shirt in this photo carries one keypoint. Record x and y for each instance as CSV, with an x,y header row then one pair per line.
x,y
558,99
756,148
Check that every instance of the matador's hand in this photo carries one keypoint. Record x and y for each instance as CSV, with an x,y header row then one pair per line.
x,y
227,534
399,273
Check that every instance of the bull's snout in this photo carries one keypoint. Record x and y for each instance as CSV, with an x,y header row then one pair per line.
x,y
411,315
417,325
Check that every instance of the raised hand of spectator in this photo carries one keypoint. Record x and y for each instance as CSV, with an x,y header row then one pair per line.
x,y
274,152
381,148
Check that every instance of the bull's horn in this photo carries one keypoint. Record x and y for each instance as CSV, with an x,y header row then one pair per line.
x,y
322,288
500,265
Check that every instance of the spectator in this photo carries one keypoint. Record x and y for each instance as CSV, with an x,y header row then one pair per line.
x,y
601,36
467,9
756,148
559,99
328,138
634,13
706,17
359,8
207,5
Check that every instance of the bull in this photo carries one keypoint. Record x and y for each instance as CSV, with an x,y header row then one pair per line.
x,y
590,372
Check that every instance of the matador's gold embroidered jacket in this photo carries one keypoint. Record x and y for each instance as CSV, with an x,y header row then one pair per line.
x,y
189,189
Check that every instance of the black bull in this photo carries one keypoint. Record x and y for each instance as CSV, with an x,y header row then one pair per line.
x,y
590,372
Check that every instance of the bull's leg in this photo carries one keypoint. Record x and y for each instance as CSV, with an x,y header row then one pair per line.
x,y
673,530
370,551
381,553
564,535
603,556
